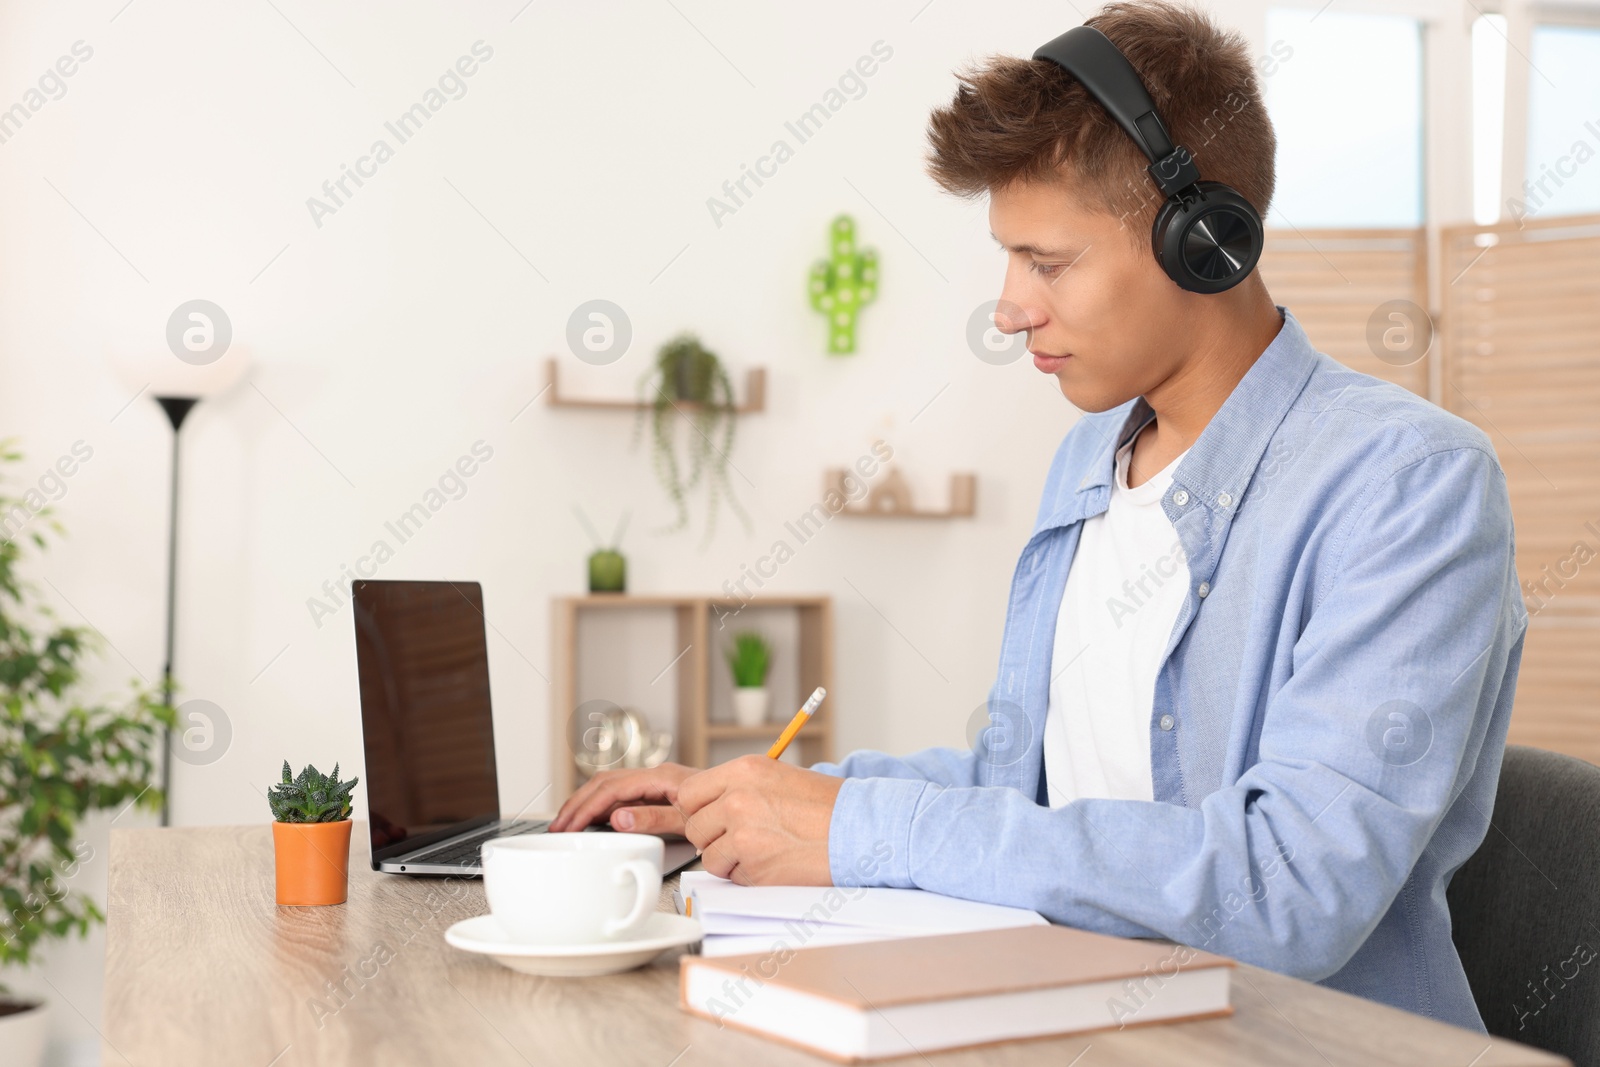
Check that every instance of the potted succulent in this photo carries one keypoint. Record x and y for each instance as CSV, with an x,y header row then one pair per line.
x,y
748,659
61,758
688,380
311,836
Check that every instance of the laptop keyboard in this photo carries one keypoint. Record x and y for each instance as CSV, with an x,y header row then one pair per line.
x,y
466,853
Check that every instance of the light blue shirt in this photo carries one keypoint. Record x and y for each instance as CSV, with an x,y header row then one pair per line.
x,y
1329,715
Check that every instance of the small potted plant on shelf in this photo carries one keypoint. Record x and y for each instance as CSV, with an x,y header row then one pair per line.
x,y
311,836
748,659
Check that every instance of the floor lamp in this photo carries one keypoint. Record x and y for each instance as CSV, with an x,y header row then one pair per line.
x,y
177,409
177,385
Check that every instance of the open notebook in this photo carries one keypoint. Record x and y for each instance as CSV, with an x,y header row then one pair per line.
x,y
742,918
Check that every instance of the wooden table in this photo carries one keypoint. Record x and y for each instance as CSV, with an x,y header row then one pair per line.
x,y
203,968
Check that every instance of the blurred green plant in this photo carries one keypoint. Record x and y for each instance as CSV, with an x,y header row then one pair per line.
x,y
310,796
748,659
688,380
60,757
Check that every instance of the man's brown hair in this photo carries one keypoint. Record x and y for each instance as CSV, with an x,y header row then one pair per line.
x,y
1021,120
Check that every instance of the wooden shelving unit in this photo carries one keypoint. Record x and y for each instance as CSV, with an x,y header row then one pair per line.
x,y
755,394
663,656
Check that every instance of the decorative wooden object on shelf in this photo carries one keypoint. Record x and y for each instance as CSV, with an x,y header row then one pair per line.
x,y
891,497
755,394
697,632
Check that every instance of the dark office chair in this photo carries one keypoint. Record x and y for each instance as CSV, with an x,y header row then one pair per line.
x,y
1525,909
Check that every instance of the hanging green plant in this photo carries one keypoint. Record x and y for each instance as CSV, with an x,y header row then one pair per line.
x,y
688,384
843,284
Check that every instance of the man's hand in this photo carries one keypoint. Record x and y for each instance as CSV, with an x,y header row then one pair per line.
x,y
639,801
760,821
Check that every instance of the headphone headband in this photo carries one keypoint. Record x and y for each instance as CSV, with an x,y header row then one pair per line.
x,y
1101,68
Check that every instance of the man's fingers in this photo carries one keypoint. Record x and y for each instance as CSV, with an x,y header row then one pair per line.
x,y
571,805
596,808
719,858
706,827
580,808
588,800
717,866
698,790
590,804
648,819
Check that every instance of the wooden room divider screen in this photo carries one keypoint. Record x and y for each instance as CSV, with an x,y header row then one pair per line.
x,y
1521,332
1517,348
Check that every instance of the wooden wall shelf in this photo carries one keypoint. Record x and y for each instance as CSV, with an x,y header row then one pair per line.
x,y
595,658
718,731
891,497
755,395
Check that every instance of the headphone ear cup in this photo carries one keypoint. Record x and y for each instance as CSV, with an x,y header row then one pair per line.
x,y
1210,242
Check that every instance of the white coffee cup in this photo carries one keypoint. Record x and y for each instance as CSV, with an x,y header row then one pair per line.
x,y
572,888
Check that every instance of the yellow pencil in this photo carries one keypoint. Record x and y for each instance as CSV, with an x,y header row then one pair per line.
x,y
795,723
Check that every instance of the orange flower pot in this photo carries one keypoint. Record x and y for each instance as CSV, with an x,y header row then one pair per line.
x,y
312,861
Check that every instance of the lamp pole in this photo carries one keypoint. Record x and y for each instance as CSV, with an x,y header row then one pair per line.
x,y
177,409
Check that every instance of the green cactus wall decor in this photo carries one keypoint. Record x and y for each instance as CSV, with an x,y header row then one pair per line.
x,y
843,284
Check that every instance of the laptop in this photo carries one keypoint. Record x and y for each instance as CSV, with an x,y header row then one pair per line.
x,y
433,795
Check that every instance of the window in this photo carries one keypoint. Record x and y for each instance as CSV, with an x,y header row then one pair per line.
x,y
1562,175
1488,115
1350,157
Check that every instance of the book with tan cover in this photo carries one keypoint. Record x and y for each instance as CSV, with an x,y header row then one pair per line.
x,y
917,995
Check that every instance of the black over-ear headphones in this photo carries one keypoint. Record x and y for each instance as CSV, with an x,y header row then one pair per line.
x,y
1206,236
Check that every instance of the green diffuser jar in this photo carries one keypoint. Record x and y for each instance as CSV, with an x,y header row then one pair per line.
x,y
608,571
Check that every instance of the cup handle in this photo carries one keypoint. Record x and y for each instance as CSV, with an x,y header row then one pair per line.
x,y
643,872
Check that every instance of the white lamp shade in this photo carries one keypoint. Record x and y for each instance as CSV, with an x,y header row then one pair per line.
x,y
160,373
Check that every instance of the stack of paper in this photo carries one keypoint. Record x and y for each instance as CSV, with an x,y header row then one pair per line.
x,y
741,918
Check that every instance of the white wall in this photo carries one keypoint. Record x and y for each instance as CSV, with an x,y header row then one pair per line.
x,y
178,164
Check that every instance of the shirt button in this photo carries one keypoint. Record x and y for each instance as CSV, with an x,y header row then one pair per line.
x,y
1224,499
1205,587
1181,497
1167,722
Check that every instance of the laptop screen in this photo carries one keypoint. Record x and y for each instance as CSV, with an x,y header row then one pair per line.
x,y
426,723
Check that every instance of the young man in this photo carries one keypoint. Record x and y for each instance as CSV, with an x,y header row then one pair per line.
x,y
1261,645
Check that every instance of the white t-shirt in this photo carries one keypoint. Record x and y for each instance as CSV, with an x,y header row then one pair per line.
x,y
1127,582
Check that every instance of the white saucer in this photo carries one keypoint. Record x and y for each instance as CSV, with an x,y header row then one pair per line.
x,y
662,931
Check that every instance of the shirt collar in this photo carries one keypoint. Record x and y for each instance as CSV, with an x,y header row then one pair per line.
x,y
1220,463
